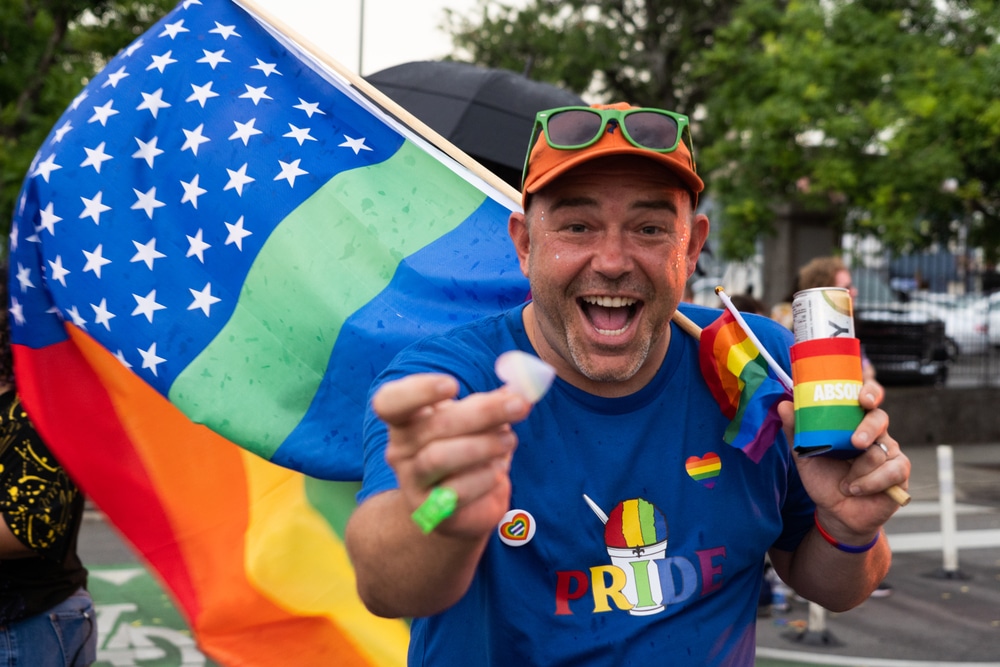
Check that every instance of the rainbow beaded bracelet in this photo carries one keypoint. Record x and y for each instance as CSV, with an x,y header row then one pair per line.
x,y
847,548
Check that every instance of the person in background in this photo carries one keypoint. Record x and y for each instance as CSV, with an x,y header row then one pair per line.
x,y
832,272
748,303
47,617
609,523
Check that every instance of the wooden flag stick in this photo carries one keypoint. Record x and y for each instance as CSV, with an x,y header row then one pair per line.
x,y
895,491
380,98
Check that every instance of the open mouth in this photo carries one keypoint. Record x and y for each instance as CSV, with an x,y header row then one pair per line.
x,y
610,315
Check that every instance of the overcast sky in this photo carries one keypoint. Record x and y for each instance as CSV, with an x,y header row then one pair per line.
x,y
395,31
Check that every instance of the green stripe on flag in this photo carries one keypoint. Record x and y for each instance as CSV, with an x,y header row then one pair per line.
x,y
339,248
753,376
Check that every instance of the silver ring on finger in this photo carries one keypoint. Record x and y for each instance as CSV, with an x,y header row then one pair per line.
x,y
881,445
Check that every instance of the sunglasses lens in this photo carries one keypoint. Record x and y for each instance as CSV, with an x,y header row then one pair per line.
x,y
652,130
573,127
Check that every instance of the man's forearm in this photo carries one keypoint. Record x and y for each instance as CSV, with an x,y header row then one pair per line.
x,y
832,578
400,571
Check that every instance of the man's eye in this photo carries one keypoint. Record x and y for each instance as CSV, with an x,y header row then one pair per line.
x,y
650,230
576,229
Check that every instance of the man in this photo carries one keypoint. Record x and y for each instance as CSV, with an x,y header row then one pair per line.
x,y
623,530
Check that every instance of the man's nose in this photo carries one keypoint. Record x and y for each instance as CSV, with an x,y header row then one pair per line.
x,y
612,256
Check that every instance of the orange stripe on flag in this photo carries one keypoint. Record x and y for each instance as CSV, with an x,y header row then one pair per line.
x,y
730,336
201,480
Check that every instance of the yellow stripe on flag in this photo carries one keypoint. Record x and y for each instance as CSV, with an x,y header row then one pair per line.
x,y
294,556
740,355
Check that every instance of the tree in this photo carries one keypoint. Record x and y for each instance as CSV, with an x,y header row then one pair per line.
x,y
49,50
866,110
884,112
636,50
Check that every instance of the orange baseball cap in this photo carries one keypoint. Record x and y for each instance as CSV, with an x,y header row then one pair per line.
x,y
545,163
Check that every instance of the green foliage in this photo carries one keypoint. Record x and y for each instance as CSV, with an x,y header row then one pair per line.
x,y
859,109
49,50
864,108
635,50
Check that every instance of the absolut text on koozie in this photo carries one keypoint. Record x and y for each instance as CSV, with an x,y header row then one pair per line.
x,y
822,312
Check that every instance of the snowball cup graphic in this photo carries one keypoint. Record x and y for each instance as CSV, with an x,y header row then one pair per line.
x,y
636,535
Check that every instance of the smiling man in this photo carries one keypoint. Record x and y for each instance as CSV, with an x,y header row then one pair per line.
x,y
622,530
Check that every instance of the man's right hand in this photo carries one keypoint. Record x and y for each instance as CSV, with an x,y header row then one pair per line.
x,y
465,445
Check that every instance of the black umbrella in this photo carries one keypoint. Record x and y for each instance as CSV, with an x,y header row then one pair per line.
x,y
488,113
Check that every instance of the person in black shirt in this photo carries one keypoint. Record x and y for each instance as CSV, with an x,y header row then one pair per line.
x,y
47,616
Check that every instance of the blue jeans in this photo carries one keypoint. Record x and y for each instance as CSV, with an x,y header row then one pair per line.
x,y
63,636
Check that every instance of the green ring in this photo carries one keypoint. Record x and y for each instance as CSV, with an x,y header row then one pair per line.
x,y
440,505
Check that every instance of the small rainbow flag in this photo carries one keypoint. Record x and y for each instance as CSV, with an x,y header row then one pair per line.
x,y
747,390
827,376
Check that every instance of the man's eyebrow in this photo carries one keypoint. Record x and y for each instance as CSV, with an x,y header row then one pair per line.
x,y
573,202
656,205
584,202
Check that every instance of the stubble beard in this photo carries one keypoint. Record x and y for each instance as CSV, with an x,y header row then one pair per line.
x,y
581,361
575,345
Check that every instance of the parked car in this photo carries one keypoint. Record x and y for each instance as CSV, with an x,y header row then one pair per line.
x,y
907,344
965,320
993,319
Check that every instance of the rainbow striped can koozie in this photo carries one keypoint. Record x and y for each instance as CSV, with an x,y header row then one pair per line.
x,y
826,374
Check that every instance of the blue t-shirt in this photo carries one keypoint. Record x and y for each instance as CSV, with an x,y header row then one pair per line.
x,y
635,536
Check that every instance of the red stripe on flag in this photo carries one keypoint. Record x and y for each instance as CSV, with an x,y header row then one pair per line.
x,y
717,339
178,491
72,411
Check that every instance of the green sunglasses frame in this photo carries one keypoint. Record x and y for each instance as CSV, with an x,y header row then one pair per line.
x,y
606,115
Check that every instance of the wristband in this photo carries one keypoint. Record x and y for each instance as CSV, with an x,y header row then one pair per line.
x,y
847,548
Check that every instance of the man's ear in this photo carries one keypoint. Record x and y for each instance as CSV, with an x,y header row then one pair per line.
x,y
517,227
699,234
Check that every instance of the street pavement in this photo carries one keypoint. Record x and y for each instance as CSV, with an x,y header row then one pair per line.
x,y
940,613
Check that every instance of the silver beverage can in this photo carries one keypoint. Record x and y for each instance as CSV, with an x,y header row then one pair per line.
x,y
822,312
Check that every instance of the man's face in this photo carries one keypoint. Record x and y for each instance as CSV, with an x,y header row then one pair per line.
x,y
607,249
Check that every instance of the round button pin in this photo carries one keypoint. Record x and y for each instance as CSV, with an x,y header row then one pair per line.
x,y
516,528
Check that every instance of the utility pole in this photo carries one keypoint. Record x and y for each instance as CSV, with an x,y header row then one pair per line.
x,y
361,39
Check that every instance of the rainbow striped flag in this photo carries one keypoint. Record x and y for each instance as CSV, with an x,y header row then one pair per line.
x,y
828,377
218,246
747,390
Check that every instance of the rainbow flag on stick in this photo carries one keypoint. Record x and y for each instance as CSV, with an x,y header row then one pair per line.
x,y
215,250
747,390
828,378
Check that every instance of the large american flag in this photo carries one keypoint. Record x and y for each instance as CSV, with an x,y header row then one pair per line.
x,y
150,172
217,214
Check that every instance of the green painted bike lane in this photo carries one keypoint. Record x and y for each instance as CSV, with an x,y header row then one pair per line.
x,y
137,622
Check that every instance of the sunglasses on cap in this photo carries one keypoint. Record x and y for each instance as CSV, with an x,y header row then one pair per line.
x,y
573,128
